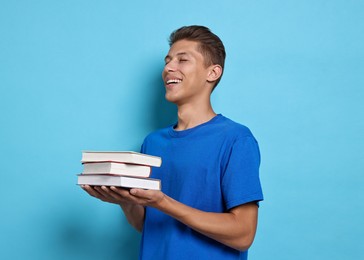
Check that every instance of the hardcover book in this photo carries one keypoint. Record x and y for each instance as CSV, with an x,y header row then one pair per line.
x,y
121,156
119,181
116,168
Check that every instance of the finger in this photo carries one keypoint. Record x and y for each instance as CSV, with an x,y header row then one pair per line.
x,y
116,197
111,193
128,197
94,193
141,193
147,197
125,195
103,191
120,191
90,190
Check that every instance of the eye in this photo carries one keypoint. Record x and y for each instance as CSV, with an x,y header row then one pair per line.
x,y
183,60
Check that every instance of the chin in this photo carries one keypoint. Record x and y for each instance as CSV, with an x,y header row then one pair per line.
x,y
171,98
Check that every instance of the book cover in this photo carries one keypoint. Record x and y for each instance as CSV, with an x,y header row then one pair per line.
x,y
116,168
119,181
121,156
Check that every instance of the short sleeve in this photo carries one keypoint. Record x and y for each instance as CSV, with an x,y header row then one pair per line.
x,y
240,180
142,148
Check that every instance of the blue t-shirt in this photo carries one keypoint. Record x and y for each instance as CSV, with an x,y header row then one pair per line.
x,y
212,167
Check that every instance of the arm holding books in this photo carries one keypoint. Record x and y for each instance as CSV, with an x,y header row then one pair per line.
x,y
235,228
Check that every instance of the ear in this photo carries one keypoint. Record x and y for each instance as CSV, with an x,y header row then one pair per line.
x,y
214,73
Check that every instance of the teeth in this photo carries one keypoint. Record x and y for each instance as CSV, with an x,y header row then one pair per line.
x,y
173,81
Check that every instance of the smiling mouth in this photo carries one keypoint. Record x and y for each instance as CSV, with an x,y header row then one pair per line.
x,y
173,81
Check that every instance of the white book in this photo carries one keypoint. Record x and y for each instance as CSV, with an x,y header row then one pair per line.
x,y
116,168
121,156
119,181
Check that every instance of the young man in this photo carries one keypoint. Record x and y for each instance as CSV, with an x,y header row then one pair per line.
x,y
208,206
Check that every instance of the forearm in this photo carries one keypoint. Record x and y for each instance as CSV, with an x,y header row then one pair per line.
x,y
228,228
134,214
235,228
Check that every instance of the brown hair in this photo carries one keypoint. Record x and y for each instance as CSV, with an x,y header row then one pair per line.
x,y
210,45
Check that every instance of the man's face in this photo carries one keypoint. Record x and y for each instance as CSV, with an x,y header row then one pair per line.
x,y
185,74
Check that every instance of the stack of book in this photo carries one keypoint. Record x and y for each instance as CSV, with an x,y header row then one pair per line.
x,y
122,169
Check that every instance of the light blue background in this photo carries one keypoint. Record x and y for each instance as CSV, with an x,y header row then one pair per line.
x,y
78,75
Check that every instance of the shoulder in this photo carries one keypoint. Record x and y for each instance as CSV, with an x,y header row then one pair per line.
x,y
157,134
235,129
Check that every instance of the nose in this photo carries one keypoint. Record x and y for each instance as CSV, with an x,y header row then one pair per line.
x,y
170,66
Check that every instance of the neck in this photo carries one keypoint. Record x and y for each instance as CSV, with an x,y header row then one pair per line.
x,y
190,115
